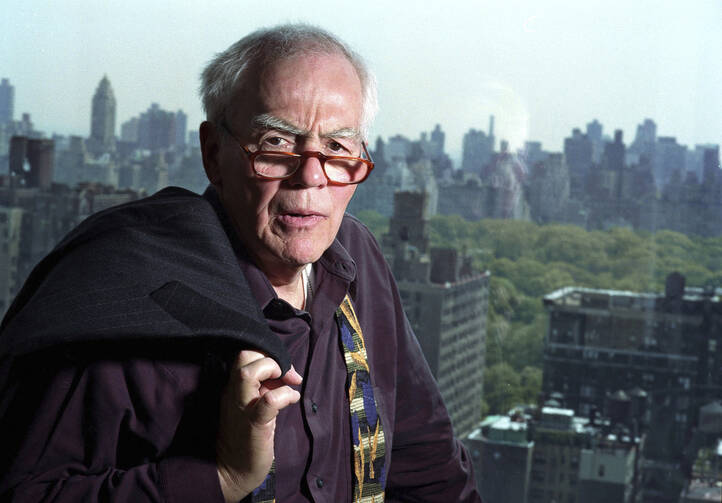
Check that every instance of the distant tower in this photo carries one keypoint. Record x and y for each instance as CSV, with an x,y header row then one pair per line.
x,y
7,101
437,140
491,133
102,119
181,125
594,134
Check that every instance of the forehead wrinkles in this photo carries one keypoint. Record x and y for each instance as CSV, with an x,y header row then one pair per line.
x,y
312,90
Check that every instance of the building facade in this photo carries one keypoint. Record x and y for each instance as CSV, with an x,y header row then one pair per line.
x,y
446,304
665,346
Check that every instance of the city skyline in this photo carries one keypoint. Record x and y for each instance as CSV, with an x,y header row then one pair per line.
x,y
541,70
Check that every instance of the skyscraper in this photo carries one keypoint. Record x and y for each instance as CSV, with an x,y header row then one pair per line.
x,y
181,124
446,303
579,154
477,149
102,119
157,128
601,341
7,101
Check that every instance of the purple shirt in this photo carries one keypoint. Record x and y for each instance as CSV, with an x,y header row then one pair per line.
x,y
127,426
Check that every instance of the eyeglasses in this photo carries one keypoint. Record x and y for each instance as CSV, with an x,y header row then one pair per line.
x,y
339,170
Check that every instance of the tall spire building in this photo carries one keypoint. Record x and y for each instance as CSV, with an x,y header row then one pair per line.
x,y
102,119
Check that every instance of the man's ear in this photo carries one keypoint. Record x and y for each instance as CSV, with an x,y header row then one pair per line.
x,y
210,150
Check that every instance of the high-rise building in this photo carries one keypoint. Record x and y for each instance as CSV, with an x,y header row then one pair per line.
x,y
503,179
446,304
129,130
156,128
501,451
31,161
711,166
670,158
550,454
577,460
180,126
102,119
477,149
644,140
548,189
608,181
602,341
437,141
594,134
579,155
7,101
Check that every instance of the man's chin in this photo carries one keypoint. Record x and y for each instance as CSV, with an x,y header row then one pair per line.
x,y
303,253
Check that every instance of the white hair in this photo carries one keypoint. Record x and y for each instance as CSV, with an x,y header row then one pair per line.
x,y
235,69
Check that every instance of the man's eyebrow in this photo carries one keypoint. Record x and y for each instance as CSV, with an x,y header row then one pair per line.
x,y
271,122
346,132
268,121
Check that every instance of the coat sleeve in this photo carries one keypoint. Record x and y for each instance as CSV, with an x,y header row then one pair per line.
x,y
101,431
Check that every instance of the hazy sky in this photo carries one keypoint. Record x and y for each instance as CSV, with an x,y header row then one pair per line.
x,y
540,66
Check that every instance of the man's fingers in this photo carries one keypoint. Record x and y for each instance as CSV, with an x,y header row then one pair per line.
x,y
292,377
267,407
256,375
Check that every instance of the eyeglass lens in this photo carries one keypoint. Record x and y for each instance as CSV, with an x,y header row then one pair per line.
x,y
337,170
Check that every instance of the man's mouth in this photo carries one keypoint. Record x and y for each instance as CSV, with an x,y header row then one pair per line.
x,y
300,218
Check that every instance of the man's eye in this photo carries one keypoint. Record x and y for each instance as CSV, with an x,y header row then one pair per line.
x,y
275,143
336,147
274,140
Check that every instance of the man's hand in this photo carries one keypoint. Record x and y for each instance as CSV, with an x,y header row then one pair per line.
x,y
251,400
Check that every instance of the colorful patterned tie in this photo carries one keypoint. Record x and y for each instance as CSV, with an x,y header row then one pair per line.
x,y
369,445
367,434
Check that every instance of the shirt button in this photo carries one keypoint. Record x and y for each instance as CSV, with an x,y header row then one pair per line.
x,y
319,483
314,408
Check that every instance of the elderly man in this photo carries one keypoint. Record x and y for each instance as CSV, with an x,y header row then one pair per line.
x,y
249,343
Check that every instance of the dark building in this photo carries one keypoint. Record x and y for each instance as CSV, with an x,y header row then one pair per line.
x,y
7,101
612,168
711,167
602,341
578,152
582,460
594,133
31,161
446,304
550,454
501,450
102,119
180,127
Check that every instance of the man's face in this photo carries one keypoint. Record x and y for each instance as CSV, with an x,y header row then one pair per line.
x,y
316,100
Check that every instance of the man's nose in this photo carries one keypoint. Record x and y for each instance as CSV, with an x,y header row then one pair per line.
x,y
310,173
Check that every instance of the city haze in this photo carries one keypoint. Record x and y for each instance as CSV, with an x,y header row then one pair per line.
x,y
541,68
